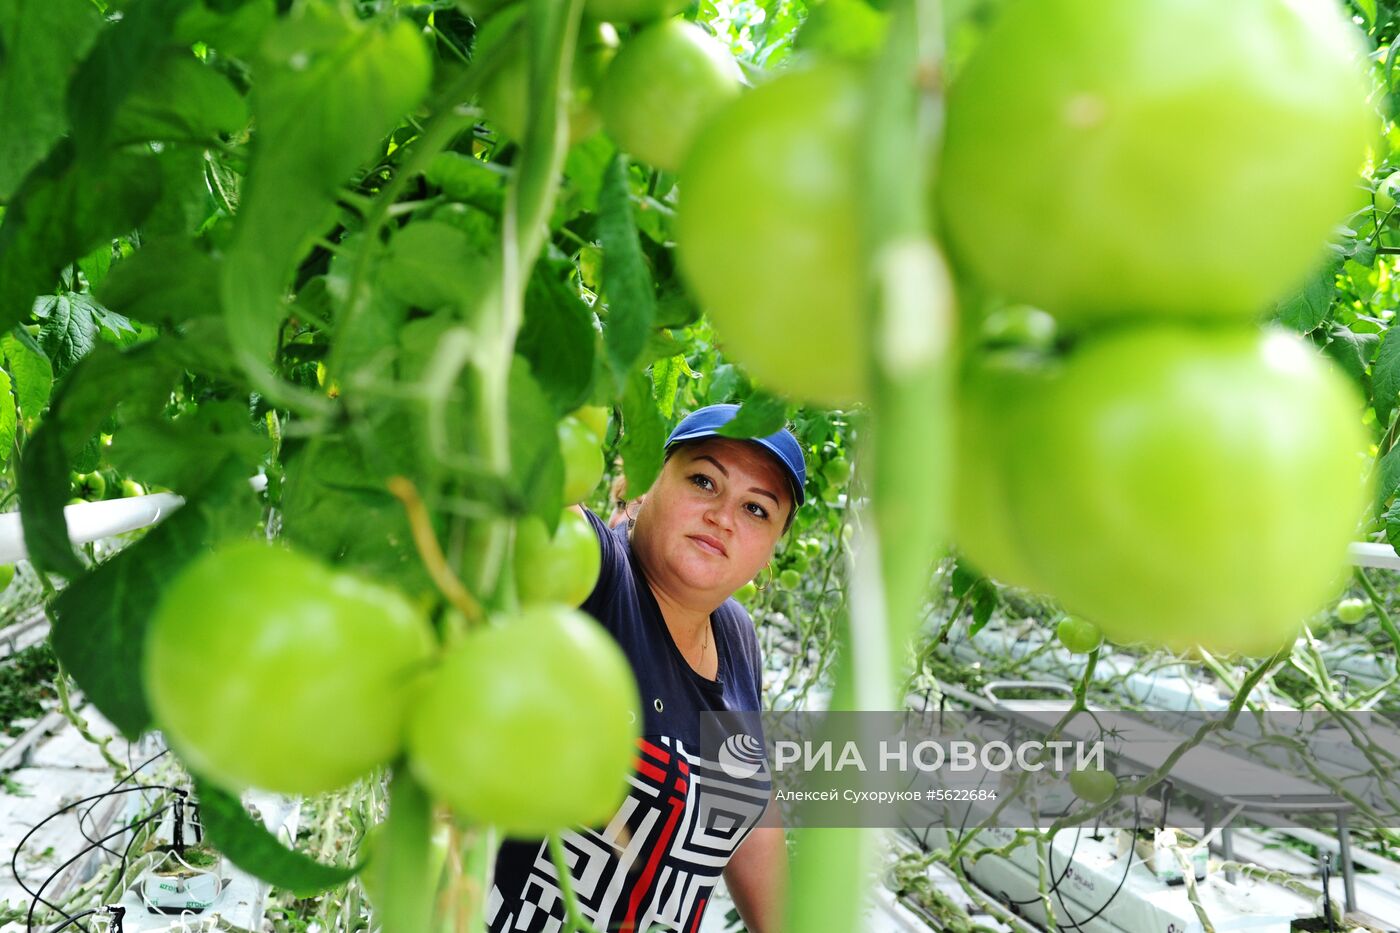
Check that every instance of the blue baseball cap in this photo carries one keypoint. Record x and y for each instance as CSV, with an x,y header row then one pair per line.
x,y
706,422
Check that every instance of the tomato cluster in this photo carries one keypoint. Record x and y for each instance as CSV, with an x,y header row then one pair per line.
x,y
265,668
1175,475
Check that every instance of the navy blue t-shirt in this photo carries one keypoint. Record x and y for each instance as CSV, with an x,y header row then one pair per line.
x,y
655,863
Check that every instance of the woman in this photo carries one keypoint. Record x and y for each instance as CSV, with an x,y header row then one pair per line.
x,y
707,526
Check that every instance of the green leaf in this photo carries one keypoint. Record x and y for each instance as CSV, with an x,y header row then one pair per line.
x,y
643,435
760,415
249,845
463,178
177,453
984,604
65,210
404,849
181,100
1385,377
41,42
124,53
100,620
536,464
665,378
69,331
166,281
358,80
1387,476
1352,351
44,490
95,265
434,265
186,203
558,338
1306,309
32,375
233,29
1368,10
1391,520
7,419
626,282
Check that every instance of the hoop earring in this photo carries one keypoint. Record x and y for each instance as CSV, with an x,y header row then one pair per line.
x,y
767,583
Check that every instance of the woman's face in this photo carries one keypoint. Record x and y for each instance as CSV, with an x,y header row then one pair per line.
x,y
712,519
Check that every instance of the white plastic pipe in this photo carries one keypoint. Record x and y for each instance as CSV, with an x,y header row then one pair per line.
x,y
90,521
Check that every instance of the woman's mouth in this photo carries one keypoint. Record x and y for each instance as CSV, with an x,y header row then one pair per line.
x,y
712,545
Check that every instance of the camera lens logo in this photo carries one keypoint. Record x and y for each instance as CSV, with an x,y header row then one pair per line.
x,y
741,756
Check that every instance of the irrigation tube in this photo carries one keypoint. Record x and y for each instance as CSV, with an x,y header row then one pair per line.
x,y
90,521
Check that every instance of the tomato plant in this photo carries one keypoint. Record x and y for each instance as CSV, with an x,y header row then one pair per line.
x,y
562,569
662,87
549,682
254,648
89,486
506,96
767,230
1154,190
1163,467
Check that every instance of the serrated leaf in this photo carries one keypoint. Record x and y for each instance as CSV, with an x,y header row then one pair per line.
x,y
358,80
1352,351
41,43
7,419
665,377
95,265
164,282
1385,377
558,339
69,331
1307,308
249,845
643,435
31,373
627,283
100,620
63,211
760,415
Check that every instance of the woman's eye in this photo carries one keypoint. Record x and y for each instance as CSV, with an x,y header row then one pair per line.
x,y
757,510
702,481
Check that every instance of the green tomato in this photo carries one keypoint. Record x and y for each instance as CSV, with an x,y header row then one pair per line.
x,y
984,527
506,94
1094,786
559,570
132,488
837,471
89,486
662,87
797,560
1385,193
1080,636
747,593
549,681
583,460
767,233
789,579
7,576
595,418
1190,158
1352,610
1186,486
264,668
632,11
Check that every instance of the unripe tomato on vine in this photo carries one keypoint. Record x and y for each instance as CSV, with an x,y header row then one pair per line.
x,y
767,232
549,682
265,668
662,87
1149,158
1183,486
561,569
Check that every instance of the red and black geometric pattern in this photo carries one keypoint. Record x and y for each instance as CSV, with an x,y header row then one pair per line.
x,y
655,864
